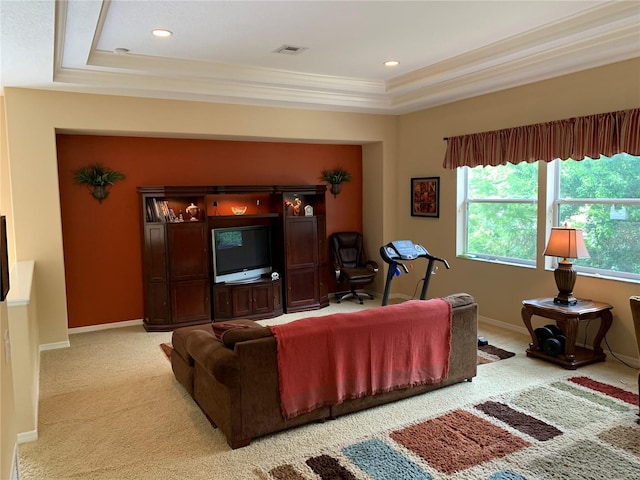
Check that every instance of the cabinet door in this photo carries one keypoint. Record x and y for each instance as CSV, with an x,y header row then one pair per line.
x,y
155,253
157,305
323,244
222,302
326,272
190,301
302,288
277,296
241,300
301,242
262,296
188,251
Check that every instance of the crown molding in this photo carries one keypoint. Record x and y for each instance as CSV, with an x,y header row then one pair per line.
x,y
605,34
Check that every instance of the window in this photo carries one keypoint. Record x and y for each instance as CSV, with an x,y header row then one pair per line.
x,y
500,217
602,197
500,205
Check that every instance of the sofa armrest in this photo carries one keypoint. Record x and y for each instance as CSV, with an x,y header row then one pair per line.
x,y
214,357
460,300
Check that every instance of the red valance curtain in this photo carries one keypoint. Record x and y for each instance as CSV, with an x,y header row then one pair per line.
x,y
576,138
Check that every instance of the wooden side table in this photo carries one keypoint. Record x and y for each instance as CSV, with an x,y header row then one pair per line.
x,y
567,318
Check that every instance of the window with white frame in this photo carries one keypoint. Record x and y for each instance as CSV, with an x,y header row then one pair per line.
x,y
602,197
500,212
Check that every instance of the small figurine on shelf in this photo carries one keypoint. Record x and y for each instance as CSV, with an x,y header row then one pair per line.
x,y
181,217
308,211
192,210
293,208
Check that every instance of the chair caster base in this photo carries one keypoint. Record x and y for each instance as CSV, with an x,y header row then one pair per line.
x,y
356,295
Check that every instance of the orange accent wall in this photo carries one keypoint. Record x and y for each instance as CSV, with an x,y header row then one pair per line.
x,y
102,242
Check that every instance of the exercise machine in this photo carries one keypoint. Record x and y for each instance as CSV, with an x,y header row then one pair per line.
x,y
399,251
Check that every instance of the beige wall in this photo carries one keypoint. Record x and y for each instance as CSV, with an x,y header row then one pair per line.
x,y
499,289
396,148
35,116
8,428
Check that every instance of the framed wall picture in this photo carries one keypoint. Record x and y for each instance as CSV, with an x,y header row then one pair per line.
x,y
425,197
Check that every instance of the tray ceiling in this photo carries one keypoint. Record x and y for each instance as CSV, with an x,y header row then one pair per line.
x,y
310,54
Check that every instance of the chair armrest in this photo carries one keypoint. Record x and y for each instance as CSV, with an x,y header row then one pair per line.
x,y
337,271
373,265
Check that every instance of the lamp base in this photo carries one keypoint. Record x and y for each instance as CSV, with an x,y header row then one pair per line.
x,y
566,300
565,277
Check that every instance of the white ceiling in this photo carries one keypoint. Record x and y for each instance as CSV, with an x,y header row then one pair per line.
x,y
223,51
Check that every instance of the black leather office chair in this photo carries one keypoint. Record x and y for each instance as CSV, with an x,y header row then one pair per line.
x,y
351,265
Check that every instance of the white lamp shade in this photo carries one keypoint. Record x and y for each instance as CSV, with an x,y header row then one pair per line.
x,y
566,243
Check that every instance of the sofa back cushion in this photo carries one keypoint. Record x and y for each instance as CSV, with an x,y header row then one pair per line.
x,y
233,336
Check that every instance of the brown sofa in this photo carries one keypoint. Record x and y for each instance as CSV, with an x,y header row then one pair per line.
x,y
235,380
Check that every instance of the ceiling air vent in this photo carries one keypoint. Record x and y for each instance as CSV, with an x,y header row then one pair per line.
x,y
290,50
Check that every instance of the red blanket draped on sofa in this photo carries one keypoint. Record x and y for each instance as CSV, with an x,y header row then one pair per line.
x,y
326,360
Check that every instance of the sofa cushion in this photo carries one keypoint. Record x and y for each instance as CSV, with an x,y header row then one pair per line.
x,y
219,328
179,338
231,337
207,351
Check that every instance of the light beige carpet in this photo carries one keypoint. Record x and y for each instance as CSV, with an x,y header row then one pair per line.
x,y
111,409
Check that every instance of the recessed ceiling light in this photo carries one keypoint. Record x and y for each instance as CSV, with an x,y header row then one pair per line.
x,y
391,63
161,32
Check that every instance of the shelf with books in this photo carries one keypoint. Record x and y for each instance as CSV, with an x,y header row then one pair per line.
x,y
172,204
173,210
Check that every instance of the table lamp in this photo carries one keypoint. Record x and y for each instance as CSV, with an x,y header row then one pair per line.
x,y
565,243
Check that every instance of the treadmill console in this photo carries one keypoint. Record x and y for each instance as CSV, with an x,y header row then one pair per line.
x,y
402,250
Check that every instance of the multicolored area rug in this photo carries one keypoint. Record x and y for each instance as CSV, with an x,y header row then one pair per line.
x,y
489,354
573,429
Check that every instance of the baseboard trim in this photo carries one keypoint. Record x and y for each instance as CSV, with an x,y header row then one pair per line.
x,y
26,437
104,326
503,325
54,346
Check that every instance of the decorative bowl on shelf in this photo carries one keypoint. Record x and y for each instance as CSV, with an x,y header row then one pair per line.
x,y
239,210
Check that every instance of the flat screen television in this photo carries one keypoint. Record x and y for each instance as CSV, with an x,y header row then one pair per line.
x,y
241,254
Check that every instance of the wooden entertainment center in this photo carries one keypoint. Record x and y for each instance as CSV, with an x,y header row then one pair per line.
x,y
178,274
